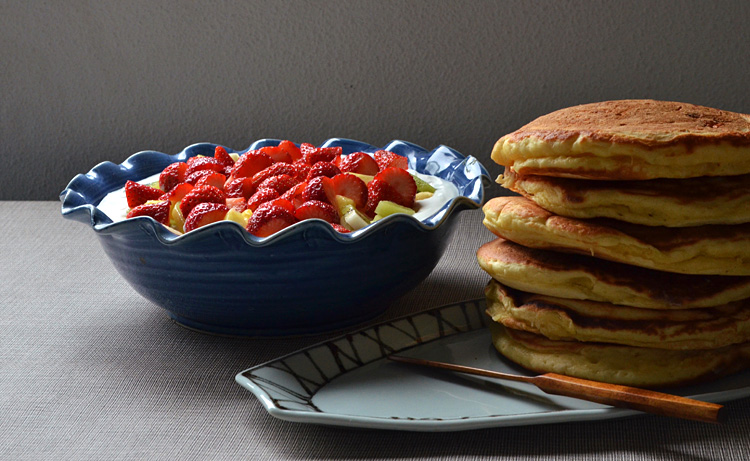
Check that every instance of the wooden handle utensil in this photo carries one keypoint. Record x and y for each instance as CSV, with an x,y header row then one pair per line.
x,y
594,391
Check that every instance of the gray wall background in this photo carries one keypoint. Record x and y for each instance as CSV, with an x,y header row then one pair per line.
x,y
88,81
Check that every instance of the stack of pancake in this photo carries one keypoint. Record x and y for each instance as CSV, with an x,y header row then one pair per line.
x,y
626,257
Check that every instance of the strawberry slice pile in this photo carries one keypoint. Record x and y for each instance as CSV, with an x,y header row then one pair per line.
x,y
271,188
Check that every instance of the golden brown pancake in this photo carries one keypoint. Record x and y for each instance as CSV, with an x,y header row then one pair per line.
x,y
589,321
617,364
630,139
655,202
583,277
707,250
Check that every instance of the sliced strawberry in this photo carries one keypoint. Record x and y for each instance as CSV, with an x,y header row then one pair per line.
x,y
205,213
320,188
177,193
340,228
291,149
274,170
350,186
281,182
378,190
222,156
302,169
294,194
138,194
313,155
268,220
277,154
201,194
261,196
172,175
203,163
250,163
213,179
386,159
315,209
195,176
282,202
237,203
402,182
323,169
359,162
157,210
239,187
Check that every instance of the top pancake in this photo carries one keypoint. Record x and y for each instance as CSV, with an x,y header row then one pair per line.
x,y
630,139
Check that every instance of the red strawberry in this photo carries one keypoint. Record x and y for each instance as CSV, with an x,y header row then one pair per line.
x,y
261,196
237,203
250,163
203,163
201,194
195,176
378,190
277,154
319,188
269,220
359,162
302,168
350,186
177,193
292,149
205,213
281,182
274,170
386,159
315,209
213,179
282,202
294,195
313,155
340,228
172,175
239,187
402,182
138,194
157,210
222,156
323,169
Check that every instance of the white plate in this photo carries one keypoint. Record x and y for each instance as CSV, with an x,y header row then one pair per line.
x,y
349,382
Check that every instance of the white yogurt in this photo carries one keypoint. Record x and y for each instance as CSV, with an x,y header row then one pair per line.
x,y
115,204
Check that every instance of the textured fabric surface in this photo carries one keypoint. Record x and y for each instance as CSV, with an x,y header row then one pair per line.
x,y
90,370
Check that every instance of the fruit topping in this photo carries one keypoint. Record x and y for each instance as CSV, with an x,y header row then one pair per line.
x,y
205,213
402,182
250,163
159,210
323,169
315,209
212,179
386,159
281,183
172,175
201,194
269,219
351,187
359,162
313,155
268,189
138,194
260,197
222,156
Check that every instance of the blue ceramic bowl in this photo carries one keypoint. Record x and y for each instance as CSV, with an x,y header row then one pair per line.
x,y
306,278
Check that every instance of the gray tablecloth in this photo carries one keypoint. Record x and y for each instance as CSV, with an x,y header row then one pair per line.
x,y
90,370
